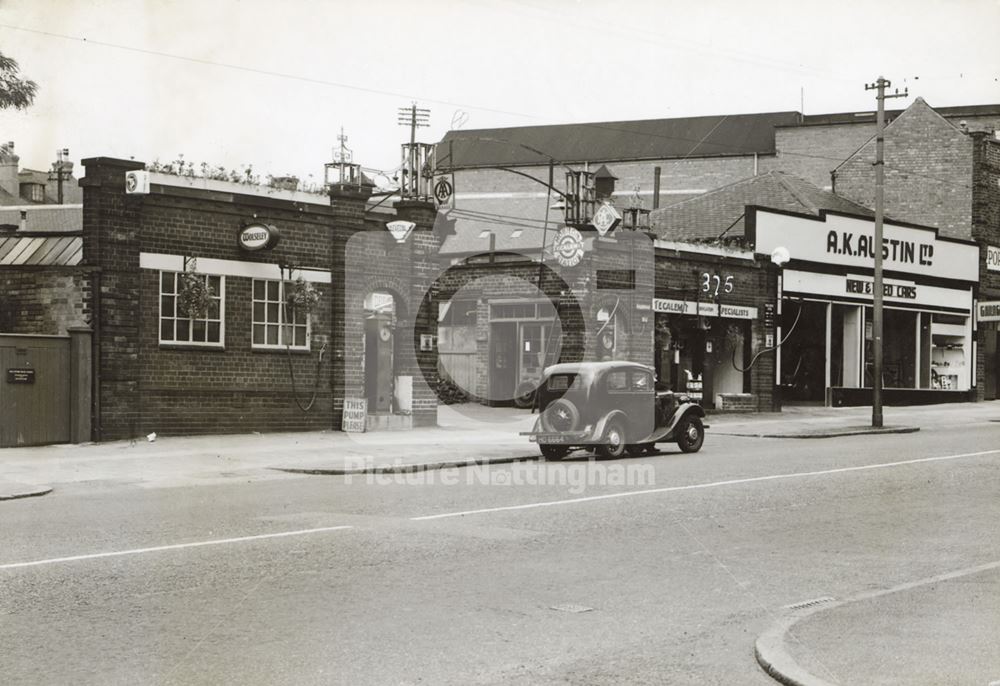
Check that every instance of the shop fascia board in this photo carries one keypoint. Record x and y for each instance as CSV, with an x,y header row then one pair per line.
x,y
220,267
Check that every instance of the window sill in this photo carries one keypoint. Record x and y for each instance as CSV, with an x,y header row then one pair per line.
x,y
281,350
189,346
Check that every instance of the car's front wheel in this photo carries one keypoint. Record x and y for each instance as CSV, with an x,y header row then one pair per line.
x,y
614,444
554,452
690,434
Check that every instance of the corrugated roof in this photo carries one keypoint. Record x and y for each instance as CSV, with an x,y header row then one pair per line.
x,y
733,134
720,213
40,250
57,218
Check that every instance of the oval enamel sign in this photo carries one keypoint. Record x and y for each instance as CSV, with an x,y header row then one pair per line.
x,y
258,237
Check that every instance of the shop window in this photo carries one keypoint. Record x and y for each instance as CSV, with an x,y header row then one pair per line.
x,y
275,324
177,328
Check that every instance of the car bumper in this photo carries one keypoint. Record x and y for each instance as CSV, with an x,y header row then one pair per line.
x,y
558,438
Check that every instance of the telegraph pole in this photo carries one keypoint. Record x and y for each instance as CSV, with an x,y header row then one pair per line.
x,y
413,117
880,85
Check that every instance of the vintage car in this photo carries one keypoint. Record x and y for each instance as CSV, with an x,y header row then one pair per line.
x,y
611,408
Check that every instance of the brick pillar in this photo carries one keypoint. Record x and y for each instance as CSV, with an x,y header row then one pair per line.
x,y
347,349
425,245
111,221
80,384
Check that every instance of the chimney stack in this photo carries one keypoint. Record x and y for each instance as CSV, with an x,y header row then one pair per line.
x,y
8,169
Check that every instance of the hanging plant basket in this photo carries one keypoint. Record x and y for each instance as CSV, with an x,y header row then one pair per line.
x,y
301,296
194,295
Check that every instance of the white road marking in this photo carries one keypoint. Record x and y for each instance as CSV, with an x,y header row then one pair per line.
x,y
175,546
713,484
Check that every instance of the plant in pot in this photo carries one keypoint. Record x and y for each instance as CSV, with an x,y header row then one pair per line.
x,y
302,296
194,295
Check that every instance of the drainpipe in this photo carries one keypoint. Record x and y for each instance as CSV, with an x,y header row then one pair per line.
x,y
24,220
656,188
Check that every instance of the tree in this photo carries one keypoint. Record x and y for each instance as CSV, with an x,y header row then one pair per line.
x,y
15,92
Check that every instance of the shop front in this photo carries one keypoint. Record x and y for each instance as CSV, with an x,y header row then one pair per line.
x,y
988,323
825,316
713,325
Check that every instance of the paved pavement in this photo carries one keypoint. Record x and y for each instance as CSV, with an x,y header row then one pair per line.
x,y
512,575
468,434
944,629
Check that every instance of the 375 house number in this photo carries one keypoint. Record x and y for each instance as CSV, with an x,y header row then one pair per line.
x,y
714,284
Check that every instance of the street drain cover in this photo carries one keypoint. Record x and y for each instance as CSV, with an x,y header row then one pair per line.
x,y
809,603
570,607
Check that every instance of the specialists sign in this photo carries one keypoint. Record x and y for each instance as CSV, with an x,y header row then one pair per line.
x,y
253,237
704,309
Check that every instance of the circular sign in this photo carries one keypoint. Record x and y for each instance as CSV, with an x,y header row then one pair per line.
x,y
443,191
568,247
258,237
131,183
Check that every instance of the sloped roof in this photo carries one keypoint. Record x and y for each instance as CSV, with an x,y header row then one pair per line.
x,y
720,213
55,218
869,116
41,250
733,134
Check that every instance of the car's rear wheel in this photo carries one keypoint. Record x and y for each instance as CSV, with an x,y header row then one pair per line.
x,y
554,452
690,434
613,445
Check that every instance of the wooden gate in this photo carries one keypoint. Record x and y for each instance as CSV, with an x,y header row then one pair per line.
x,y
34,390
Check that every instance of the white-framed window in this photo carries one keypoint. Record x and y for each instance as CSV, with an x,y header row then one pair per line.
x,y
178,329
276,324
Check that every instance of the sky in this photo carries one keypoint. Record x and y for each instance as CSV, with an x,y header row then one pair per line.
x,y
270,83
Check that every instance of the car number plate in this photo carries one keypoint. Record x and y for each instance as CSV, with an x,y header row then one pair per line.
x,y
552,439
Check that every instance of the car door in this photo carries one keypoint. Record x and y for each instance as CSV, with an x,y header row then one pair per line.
x,y
642,401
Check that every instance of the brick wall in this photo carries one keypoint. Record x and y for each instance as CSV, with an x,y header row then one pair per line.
x,y
928,172
148,385
43,300
986,230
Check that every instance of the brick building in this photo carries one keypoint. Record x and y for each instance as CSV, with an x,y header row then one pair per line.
x,y
784,161
247,360
33,187
944,173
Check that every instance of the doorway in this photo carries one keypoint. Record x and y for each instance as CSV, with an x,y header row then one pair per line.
x,y
380,325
